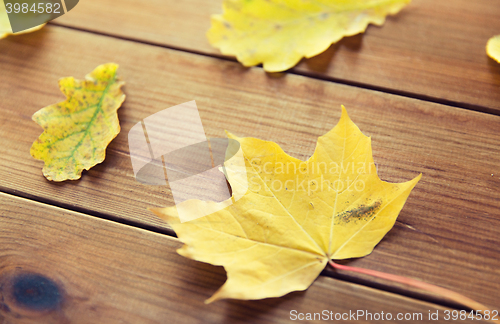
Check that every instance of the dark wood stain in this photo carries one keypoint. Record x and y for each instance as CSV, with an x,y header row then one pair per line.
x,y
36,292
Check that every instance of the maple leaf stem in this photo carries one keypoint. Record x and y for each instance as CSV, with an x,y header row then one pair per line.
x,y
454,296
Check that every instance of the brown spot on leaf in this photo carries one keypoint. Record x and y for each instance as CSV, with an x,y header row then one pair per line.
x,y
360,213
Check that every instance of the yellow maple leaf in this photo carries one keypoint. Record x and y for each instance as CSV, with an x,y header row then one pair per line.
x,y
5,28
278,33
295,216
493,48
78,130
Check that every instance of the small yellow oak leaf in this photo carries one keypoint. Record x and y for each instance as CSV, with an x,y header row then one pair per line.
x,y
295,216
78,130
5,29
278,33
493,48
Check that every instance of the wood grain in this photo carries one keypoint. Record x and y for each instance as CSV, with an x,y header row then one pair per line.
x,y
447,234
106,272
432,49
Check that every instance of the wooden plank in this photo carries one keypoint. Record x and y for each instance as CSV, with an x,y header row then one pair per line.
x,y
58,266
432,49
448,232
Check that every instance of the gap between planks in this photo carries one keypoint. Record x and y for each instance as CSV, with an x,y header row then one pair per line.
x,y
89,212
308,74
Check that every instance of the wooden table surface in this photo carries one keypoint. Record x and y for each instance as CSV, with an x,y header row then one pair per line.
x,y
421,86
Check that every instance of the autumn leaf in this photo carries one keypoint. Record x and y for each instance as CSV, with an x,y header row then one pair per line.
x,y
493,48
5,28
78,130
278,33
295,217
